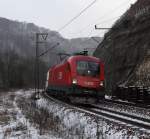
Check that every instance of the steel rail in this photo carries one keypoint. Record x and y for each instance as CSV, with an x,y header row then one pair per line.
x,y
107,113
126,119
137,105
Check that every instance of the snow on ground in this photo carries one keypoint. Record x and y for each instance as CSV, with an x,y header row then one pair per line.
x,y
24,118
13,124
91,127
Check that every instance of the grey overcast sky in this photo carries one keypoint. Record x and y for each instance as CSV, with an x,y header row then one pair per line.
x,y
53,14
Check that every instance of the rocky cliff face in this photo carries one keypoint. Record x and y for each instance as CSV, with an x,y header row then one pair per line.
x,y
125,49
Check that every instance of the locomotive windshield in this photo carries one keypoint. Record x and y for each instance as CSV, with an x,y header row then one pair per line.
x,y
88,68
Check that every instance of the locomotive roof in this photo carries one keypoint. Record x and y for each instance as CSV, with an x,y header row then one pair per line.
x,y
81,57
78,57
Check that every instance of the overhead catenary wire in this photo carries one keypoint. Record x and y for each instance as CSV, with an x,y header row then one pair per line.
x,y
114,9
51,48
103,17
74,18
108,20
92,25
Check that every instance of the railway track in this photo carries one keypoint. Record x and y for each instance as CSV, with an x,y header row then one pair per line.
x,y
137,105
120,116
109,114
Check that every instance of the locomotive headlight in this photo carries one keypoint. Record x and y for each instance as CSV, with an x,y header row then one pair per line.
x,y
101,83
74,81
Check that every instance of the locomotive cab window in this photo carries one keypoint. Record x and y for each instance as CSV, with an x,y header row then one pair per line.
x,y
88,68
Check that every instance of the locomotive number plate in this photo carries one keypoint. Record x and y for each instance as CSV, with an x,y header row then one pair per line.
x,y
88,83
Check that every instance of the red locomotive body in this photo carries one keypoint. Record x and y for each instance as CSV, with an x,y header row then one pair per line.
x,y
77,76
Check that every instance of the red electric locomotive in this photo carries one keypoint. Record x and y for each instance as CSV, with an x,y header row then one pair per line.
x,y
78,76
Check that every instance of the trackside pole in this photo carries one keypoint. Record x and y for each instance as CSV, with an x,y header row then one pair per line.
x,y
40,39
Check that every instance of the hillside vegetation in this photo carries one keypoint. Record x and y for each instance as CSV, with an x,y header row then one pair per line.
x,y
17,52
